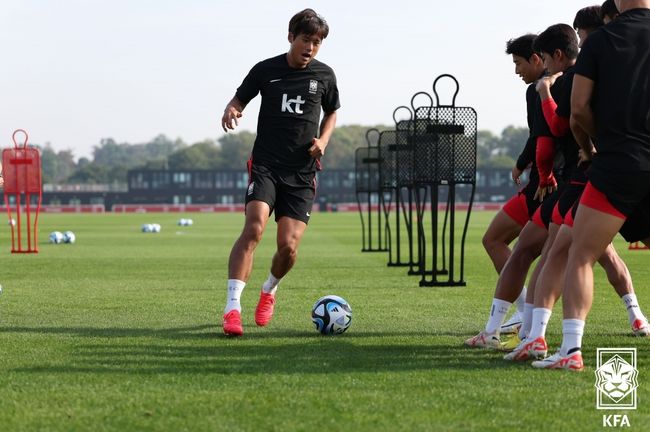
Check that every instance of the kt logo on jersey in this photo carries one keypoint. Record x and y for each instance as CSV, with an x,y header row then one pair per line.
x,y
293,106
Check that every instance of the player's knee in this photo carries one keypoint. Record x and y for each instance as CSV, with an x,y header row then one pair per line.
x,y
252,234
288,251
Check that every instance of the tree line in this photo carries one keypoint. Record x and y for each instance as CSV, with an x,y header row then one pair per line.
x,y
111,160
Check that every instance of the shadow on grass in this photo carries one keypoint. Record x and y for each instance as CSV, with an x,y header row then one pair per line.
x,y
198,350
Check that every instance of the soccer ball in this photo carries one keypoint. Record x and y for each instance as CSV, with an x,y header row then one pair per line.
x,y
331,315
155,228
185,222
69,237
147,228
56,237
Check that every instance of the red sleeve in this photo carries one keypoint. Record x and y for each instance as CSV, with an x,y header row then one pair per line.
x,y
544,156
559,125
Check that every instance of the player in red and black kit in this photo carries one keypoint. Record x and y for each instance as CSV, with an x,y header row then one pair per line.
x,y
282,169
509,221
610,102
518,210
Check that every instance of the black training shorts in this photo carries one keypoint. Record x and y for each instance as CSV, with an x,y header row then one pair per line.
x,y
287,192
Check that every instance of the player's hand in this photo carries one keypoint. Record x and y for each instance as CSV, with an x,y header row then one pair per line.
x,y
546,82
317,148
544,191
516,173
229,119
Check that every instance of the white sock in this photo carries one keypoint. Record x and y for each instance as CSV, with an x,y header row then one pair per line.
x,y
572,331
235,288
632,306
527,322
271,284
540,319
497,315
521,300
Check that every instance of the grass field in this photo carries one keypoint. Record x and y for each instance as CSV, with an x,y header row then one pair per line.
x,y
121,332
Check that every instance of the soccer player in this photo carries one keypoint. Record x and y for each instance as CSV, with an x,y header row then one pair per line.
x,y
586,21
617,196
548,286
608,11
519,209
285,157
509,221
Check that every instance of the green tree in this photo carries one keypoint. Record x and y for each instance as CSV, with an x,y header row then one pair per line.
x,y
235,149
202,155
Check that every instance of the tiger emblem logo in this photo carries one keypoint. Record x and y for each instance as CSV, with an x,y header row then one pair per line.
x,y
616,378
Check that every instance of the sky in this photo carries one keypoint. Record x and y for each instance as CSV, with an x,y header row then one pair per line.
x,y
77,71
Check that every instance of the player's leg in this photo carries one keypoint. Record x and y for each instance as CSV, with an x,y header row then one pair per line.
x,y
511,280
240,263
295,198
592,232
619,277
547,289
503,229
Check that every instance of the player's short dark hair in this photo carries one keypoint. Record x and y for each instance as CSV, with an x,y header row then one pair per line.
x,y
558,36
588,18
310,23
608,9
521,46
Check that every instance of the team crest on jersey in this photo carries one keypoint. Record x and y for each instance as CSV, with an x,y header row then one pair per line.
x,y
313,86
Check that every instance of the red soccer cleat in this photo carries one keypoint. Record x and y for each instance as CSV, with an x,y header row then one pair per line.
x,y
264,309
232,323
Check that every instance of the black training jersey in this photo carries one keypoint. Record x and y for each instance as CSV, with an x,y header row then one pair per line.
x,y
617,58
290,112
528,153
567,145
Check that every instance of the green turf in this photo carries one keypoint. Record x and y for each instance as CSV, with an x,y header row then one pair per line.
x,y
121,332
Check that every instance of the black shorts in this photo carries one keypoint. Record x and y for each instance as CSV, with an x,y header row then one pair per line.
x,y
571,194
288,193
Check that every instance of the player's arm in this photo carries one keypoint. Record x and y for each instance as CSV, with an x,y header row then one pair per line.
x,y
558,125
544,156
524,160
327,125
232,112
582,116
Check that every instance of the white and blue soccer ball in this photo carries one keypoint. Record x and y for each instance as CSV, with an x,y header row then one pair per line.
x,y
69,237
331,315
155,228
147,228
185,222
56,237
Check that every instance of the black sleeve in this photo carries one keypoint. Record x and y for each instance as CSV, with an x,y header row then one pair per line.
x,y
564,100
527,154
330,101
586,64
250,87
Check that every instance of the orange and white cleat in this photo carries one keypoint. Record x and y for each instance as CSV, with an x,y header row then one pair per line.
x,y
528,350
572,362
640,327
484,340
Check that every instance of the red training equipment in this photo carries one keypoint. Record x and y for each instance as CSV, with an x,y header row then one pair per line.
x,y
22,176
